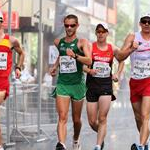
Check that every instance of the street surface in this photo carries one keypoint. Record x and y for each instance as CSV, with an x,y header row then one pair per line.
x,y
121,130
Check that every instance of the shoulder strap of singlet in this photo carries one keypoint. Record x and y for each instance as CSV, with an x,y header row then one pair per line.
x,y
94,46
110,47
7,37
60,41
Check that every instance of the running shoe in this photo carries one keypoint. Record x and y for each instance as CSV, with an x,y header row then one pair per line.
x,y
60,146
146,147
97,148
136,147
76,145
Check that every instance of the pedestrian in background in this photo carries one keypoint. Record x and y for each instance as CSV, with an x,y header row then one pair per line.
x,y
99,83
73,53
7,45
137,45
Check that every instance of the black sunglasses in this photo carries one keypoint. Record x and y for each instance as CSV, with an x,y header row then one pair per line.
x,y
101,31
69,25
145,21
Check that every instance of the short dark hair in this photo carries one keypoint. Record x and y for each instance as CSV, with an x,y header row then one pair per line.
x,y
71,16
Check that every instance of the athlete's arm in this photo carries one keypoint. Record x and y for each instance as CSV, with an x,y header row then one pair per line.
x,y
88,70
128,47
85,45
53,70
56,42
16,46
116,75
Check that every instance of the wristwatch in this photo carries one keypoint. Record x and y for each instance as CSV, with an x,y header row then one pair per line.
x,y
76,56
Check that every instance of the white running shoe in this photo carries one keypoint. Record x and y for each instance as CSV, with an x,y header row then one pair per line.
x,y
76,145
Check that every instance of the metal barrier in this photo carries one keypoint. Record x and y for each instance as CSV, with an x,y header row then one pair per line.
x,y
20,113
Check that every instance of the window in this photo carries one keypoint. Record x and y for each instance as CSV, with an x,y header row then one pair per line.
x,y
100,1
110,3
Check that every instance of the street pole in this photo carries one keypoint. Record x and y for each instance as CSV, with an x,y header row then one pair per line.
x,y
8,102
136,15
8,144
40,66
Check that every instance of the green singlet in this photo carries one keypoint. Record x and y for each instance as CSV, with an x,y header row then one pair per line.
x,y
71,80
70,70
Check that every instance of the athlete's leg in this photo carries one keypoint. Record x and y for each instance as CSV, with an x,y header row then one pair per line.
x,y
142,113
104,106
2,97
76,117
137,113
145,114
62,105
92,113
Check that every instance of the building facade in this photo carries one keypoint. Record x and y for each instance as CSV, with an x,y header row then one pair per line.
x,y
90,13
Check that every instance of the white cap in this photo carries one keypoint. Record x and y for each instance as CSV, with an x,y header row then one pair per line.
x,y
145,15
102,24
1,17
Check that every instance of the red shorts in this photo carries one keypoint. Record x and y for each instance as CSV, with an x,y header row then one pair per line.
x,y
139,88
4,85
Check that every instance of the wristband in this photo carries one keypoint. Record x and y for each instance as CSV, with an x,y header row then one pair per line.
x,y
18,68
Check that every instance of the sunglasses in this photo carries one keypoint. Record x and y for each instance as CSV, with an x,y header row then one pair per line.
x,y
101,31
145,21
69,25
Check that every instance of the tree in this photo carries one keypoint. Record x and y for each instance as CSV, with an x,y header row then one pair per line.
x,y
124,21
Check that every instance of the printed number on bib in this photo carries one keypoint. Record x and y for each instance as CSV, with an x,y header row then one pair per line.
x,y
141,69
103,69
3,61
67,64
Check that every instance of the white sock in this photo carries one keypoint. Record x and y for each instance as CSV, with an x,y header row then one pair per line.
x,y
147,143
75,141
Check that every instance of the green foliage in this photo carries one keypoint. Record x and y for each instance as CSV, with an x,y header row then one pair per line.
x,y
144,6
34,41
123,27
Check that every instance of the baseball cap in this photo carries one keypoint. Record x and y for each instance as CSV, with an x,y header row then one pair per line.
x,y
145,15
1,17
103,25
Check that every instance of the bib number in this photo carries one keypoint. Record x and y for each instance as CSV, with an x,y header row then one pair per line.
x,y
67,64
141,69
103,69
3,61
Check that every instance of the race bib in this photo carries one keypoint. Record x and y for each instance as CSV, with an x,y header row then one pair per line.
x,y
3,61
103,69
67,64
141,69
